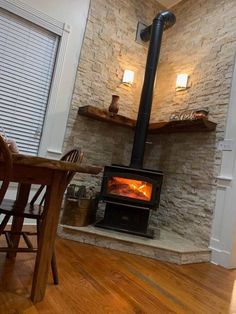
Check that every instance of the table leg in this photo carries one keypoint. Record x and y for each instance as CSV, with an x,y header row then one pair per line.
x,y
17,222
54,195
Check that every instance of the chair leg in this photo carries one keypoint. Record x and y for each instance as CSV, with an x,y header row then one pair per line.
x,y
4,223
38,231
54,269
53,261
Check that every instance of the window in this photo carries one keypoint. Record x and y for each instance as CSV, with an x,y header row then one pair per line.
x,y
27,58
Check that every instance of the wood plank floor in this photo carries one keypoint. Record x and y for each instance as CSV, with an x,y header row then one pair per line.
x,y
97,280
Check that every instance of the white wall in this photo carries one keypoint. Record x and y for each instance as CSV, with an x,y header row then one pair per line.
x,y
223,238
74,13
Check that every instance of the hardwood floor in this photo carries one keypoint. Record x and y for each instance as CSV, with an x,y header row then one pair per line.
x,y
96,280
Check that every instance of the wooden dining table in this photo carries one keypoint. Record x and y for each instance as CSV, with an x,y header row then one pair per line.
x,y
28,170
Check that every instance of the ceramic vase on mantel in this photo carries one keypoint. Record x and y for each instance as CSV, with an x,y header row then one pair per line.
x,y
114,106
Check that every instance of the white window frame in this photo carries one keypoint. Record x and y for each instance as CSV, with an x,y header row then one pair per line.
x,y
48,146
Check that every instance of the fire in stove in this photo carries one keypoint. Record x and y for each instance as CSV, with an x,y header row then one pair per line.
x,y
130,188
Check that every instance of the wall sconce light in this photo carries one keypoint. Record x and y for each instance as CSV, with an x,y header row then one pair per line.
x,y
182,82
128,77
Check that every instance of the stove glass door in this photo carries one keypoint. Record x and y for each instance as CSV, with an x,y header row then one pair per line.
x,y
135,189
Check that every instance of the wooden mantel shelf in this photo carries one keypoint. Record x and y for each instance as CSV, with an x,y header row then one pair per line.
x,y
103,115
200,125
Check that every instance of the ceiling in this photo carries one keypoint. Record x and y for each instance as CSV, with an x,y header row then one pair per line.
x,y
168,3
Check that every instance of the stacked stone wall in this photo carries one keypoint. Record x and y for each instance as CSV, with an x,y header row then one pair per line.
x,y
203,45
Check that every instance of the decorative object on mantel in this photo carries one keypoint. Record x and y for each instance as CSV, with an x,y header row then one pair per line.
x,y
194,114
199,125
201,113
114,106
79,206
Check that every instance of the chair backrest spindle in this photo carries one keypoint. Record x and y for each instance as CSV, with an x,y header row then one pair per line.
x,y
74,155
6,156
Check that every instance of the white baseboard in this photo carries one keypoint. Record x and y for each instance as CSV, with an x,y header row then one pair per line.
x,y
221,257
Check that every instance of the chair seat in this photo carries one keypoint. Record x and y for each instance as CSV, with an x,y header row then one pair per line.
x,y
9,207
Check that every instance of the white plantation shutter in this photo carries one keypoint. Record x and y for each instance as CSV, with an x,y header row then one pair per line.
x,y
27,58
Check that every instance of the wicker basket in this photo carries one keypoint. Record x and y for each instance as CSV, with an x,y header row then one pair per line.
x,y
78,212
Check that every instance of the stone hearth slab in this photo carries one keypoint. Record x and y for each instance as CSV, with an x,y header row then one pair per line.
x,y
169,247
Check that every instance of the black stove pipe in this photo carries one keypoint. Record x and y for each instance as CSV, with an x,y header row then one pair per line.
x,y
162,21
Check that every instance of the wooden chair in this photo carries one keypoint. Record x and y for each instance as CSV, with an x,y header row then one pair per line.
x,y
33,211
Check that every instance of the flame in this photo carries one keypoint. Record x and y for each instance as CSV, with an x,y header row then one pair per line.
x,y
130,188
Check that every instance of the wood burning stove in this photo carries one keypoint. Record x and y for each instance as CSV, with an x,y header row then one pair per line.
x,y
130,192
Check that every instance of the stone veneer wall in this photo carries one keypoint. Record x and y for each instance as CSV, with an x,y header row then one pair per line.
x,y
202,43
